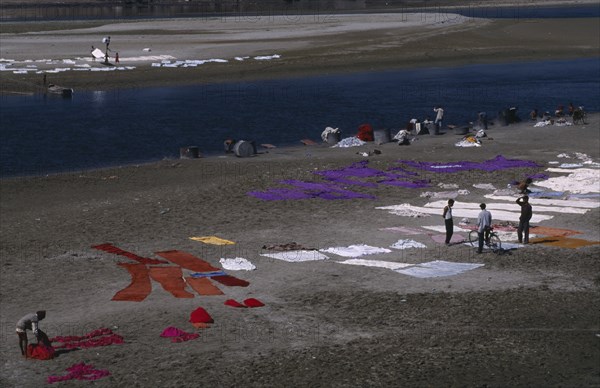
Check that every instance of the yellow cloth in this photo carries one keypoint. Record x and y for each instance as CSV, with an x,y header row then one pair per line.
x,y
212,240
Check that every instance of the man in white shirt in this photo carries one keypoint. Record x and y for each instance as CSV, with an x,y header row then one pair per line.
x,y
484,226
29,322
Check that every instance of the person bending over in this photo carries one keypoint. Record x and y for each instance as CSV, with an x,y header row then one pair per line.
x,y
30,322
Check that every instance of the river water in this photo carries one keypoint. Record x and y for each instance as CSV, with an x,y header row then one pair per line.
x,y
44,134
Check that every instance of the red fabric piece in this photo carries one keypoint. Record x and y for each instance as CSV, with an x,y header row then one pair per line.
x,y
40,351
200,316
99,337
80,371
185,337
140,286
203,286
252,302
171,280
187,261
365,132
230,281
118,251
233,303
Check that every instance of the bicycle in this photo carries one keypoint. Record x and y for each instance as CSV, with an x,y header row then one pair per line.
x,y
493,242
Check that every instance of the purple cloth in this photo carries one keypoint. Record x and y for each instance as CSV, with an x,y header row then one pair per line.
x,y
498,163
306,190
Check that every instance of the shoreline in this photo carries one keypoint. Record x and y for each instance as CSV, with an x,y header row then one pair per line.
x,y
265,155
385,42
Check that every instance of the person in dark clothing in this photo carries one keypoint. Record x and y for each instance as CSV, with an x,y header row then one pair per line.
x,y
526,213
447,214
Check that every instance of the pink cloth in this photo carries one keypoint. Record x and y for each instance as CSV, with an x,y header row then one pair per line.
x,y
80,371
178,335
100,337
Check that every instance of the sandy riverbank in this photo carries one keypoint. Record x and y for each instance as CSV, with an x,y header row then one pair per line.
x,y
308,44
524,319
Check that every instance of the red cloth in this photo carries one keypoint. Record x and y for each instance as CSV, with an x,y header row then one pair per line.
x,y
140,286
230,281
187,261
117,251
252,302
80,372
365,132
200,316
40,351
99,337
233,303
203,286
171,280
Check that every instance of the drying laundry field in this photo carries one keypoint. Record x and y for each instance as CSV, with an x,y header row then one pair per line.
x,y
333,269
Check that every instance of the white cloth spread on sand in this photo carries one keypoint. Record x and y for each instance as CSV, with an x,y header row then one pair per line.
x,y
355,250
467,143
510,207
548,202
444,194
237,264
484,186
296,256
404,210
375,263
349,142
438,268
498,215
448,185
406,244
579,181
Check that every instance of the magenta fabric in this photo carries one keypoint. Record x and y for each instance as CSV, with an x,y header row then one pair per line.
x,y
178,335
80,371
100,337
172,332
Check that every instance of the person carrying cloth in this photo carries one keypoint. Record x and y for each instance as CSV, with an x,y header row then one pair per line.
x,y
526,214
31,322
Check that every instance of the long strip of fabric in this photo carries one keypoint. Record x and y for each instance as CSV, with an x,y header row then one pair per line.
x,y
140,286
203,286
118,251
231,281
187,261
171,280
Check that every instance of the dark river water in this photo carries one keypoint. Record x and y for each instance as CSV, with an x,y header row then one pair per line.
x,y
43,134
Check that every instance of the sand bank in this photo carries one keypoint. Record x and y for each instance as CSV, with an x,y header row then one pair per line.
x,y
307,45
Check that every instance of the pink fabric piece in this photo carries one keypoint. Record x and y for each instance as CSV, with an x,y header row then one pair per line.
x,y
172,332
80,371
178,335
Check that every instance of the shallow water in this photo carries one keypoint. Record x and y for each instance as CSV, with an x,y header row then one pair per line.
x,y
43,134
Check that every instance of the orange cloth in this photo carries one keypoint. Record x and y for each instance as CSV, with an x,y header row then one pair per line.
x,y
171,280
563,242
188,261
203,286
140,286
549,231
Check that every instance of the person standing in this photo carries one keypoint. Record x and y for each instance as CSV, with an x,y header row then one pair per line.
x,y
116,57
526,214
447,214
438,118
484,226
30,322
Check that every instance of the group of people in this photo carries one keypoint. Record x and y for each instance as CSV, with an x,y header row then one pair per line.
x,y
484,222
558,112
